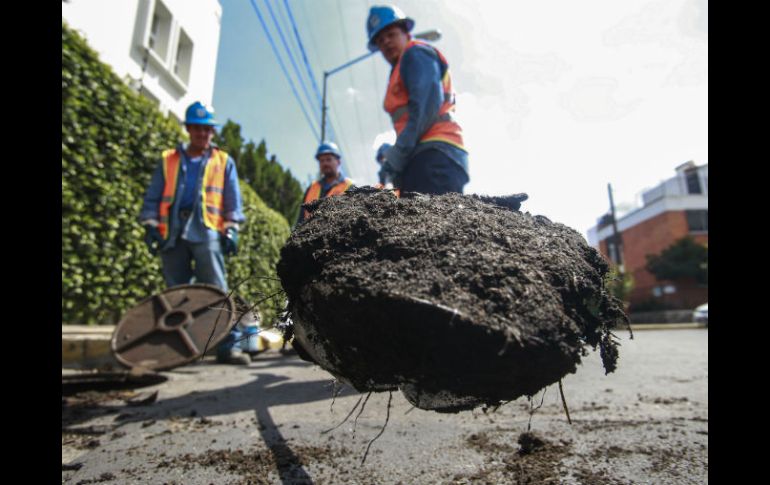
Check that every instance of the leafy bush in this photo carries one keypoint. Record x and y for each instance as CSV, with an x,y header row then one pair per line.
x,y
277,187
259,246
619,285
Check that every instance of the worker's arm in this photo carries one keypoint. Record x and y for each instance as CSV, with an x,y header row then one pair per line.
x,y
421,72
301,216
231,198
151,205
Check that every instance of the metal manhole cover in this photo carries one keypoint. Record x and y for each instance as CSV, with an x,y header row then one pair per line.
x,y
173,327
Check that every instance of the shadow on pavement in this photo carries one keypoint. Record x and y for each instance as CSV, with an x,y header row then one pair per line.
x,y
265,390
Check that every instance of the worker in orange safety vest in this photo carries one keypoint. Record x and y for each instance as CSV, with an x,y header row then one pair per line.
x,y
429,155
191,212
332,181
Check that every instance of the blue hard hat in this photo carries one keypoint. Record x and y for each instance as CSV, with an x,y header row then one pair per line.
x,y
380,17
381,151
328,147
199,114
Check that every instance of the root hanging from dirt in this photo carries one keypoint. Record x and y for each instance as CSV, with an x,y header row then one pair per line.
x,y
455,300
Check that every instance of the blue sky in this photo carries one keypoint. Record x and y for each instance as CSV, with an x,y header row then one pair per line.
x,y
556,98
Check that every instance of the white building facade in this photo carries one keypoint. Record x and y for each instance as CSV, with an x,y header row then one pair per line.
x,y
165,49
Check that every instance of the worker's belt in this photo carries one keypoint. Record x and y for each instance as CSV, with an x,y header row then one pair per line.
x,y
396,115
185,214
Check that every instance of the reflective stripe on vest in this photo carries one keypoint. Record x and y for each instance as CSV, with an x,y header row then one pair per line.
x,y
443,128
170,175
212,189
315,191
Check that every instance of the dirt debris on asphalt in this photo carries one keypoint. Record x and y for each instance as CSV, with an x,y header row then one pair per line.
x,y
267,427
457,301
262,465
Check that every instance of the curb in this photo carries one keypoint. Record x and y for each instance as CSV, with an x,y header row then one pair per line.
x,y
88,346
667,326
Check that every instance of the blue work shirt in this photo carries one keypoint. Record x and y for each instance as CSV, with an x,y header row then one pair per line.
x,y
192,230
187,198
421,71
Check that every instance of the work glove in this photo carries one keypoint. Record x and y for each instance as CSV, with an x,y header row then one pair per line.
x,y
152,238
382,152
229,241
390,177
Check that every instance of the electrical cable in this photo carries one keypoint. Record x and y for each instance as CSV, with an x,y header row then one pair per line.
x,y
355,102
285,72
302,50
332,132
291,57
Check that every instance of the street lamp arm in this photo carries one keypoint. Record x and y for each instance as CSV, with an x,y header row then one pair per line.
x,y
350,63
430,35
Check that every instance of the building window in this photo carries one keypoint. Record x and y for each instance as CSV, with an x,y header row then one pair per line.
x,y
693,182
698,220
183,57
160,30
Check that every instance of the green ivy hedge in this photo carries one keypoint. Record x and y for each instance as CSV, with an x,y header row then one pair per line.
x,y
259,245
111,141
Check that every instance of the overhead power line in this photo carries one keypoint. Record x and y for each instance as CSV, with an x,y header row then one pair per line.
x,y
302,50
285,71
290,55
343,32
333,133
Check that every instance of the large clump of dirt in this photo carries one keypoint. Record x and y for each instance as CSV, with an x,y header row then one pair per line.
x,y
453,299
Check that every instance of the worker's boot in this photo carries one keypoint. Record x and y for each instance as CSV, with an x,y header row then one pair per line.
x,y
234,357
230,352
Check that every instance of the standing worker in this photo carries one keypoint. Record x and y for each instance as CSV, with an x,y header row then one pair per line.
x,y
380,157
429,155
191,213
331,183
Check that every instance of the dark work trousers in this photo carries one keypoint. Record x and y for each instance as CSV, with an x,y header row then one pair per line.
x,y
433,172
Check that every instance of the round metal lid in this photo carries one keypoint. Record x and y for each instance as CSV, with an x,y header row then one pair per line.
x,y
173,327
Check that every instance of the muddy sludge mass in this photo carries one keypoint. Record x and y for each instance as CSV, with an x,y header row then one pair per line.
x,y
459,301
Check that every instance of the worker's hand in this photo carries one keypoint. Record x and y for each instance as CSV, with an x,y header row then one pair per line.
x,y
382,153
229,241
389,176
152,238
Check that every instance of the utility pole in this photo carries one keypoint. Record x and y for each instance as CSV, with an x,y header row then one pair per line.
x,y
617,241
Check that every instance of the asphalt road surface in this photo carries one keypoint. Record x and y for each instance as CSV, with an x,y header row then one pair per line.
x,y
647,423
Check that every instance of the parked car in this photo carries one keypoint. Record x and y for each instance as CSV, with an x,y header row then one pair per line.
x,y
701,314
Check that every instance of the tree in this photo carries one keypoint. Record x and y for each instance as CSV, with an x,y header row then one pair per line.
x,y
230,140
277,187
619,285
682,260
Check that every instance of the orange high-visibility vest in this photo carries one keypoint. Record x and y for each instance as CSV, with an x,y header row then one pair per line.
x,y
212,189
444,129
315,191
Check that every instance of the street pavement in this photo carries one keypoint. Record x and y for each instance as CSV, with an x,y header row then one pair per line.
x,y
646,423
